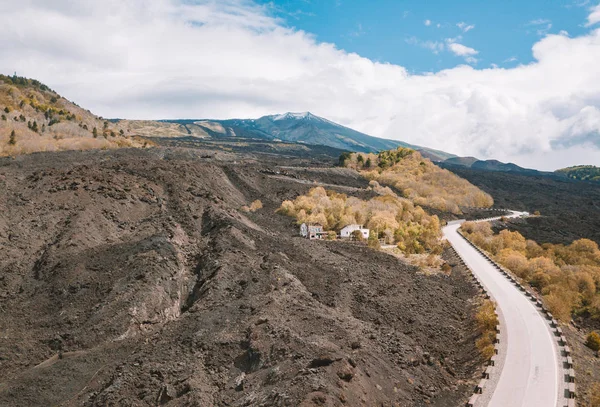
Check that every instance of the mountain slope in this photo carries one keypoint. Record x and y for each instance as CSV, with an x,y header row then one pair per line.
x,y
305,128
35,118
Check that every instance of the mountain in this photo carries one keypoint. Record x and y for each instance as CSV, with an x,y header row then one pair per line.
x,y
581,172
35,118
488,165
305,128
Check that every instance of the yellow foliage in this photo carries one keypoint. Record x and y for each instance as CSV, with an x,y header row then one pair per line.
x,y
420,180
254,206
567,275
486,323
595,395
389,217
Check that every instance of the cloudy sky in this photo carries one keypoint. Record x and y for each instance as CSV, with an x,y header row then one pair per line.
x,y
494,79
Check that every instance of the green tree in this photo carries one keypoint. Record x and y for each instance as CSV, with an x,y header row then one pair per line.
x,y
368,163
3,118
121,132
343,158
95,132
7,109
34,126
13,138
360,159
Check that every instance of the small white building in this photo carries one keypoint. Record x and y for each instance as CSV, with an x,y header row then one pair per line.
x,y
347,231
312,232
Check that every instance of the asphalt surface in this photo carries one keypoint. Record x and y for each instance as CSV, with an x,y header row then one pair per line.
x,y
531,368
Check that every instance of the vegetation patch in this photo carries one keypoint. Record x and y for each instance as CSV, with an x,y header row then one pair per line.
x,y
487,321
392,219
566,275
420,180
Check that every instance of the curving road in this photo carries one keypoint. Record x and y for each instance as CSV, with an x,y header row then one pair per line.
x,y
531,369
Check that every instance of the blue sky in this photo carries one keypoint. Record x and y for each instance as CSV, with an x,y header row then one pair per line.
x,y
395,31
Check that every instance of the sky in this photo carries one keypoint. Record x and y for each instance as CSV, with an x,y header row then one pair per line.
x,y
517,81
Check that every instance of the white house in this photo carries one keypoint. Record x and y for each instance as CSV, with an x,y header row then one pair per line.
x,y
347,231
312,232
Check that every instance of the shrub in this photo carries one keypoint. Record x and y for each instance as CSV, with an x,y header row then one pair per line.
x,y
536,213
593,341
254,206
331,235
486,324
595,395
12,139
357,235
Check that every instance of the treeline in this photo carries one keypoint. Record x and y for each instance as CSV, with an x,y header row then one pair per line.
x,y
421,181
582,173
389,217
22,81
568,276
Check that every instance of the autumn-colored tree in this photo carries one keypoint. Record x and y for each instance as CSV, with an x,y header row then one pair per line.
x,y
593,341
568,276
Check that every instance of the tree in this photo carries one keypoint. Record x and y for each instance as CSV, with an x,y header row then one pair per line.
x,y
368,163
95,132
593,341
3,118
113,134
7,109
13,138
34,126
121,132
360,159
343,158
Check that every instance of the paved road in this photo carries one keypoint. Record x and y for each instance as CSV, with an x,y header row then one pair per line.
x,y
530,376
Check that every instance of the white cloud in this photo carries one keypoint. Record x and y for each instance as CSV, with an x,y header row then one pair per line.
x,y
465,27
539,21
594,17
434,46
231,58
427,22
461,50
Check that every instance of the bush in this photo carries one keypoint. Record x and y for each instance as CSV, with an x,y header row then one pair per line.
x,y
13,138
254,206
593,341
357,235
595,395
486,323
331,235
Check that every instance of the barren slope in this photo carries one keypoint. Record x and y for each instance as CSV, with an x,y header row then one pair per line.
x,y
139,270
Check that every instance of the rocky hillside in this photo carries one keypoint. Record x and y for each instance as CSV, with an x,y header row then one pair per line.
x,y
35,118
134,277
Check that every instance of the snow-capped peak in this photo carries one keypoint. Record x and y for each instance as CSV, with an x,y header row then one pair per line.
x,y
289,116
